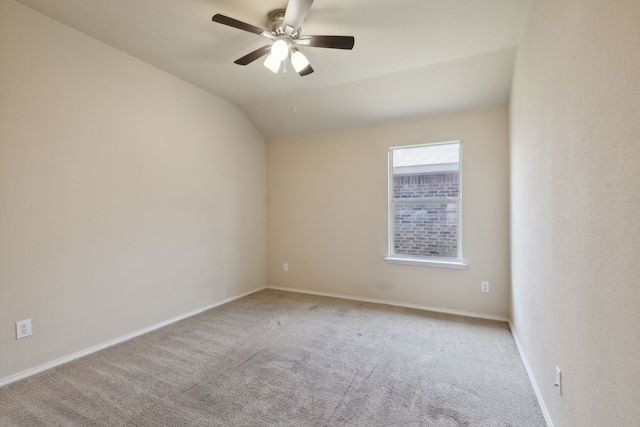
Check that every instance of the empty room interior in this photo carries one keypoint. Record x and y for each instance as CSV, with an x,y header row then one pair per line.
x,y
153,191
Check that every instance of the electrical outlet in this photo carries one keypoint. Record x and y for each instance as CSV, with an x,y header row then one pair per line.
x,y
285,267
23,329
484,287
558,382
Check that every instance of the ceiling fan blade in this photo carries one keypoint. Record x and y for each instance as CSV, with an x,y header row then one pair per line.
x,y
225,20
306,71
332,42
296,12
256,54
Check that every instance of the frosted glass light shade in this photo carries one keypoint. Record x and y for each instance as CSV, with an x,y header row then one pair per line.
x,y
280,50
299,61
273,63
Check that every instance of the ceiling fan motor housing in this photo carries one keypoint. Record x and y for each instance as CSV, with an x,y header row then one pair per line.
x,y
276,19
276,24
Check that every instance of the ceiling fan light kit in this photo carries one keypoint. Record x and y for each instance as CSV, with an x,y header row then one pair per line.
x,y
298,60
273,64
284,32
280,49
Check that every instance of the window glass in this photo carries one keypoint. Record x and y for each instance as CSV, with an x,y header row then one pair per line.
x,y
424,205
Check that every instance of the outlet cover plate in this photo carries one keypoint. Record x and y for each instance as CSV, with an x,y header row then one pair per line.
x,y
484,287
23,329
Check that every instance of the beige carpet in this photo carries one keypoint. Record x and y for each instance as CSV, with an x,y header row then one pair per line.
x,y
286,359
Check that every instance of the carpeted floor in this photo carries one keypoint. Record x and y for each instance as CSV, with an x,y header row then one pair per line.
x,y
286,359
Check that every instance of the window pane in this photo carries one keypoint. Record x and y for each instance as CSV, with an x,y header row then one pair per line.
x,y
443,185
426,230
427,172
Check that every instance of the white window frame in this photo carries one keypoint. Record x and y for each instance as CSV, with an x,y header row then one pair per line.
x,y
392,258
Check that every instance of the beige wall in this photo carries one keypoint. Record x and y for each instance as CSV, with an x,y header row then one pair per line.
x,y
327,214
127,196
575,162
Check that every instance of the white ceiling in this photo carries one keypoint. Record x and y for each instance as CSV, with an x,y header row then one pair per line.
x,y
411,58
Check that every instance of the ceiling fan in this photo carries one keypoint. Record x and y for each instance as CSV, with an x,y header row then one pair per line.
x,y
284,33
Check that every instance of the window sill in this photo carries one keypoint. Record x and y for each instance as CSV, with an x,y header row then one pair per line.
x,y
458,265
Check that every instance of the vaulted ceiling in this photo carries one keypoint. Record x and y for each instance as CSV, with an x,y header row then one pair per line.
x,y
411,58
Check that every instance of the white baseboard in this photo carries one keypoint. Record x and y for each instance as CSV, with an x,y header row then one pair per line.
x,y
110,343
534,383
394,303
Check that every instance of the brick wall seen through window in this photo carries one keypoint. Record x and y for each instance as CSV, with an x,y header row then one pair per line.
x,y
425,202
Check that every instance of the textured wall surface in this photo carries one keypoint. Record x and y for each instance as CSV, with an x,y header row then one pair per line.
x,y
127,197
575,157
327,214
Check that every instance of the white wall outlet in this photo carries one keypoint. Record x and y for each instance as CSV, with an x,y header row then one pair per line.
x,y
558,382
484,287
23,329
285,267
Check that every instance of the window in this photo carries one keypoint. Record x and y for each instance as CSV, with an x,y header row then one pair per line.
x,y
424,205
